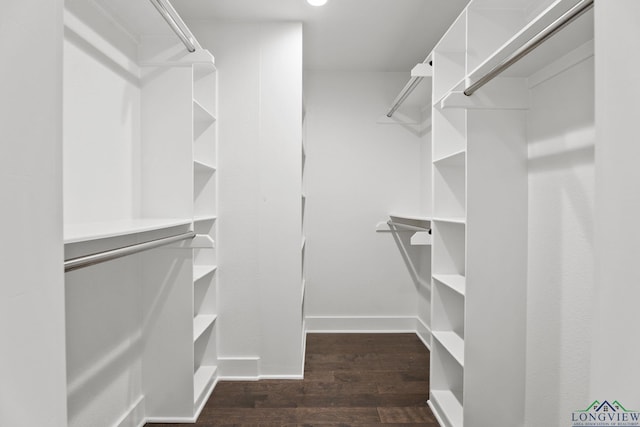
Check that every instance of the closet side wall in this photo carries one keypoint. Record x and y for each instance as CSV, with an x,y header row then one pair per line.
x,y
32,359
259,229
615,369
358,172
560,294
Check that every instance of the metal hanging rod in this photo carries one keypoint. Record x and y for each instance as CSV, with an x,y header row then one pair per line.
x,y
406,91
88,260
570,16
408,88
407,226
176,23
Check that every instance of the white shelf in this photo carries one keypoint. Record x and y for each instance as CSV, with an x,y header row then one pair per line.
x,y
459,85
200,271
202,381
451,220
204,218
75,233
456,282
452,343
201,323
454,159
202,167
565,41
203,70
202,241
410,217
201,114
450,406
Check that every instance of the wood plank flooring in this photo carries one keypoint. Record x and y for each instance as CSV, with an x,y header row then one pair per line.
x,y
350,380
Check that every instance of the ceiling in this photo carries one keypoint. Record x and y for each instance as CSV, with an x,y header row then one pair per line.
x,y
345,35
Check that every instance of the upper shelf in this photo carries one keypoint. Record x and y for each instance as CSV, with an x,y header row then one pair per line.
x,y
568,39
75,233
201,114
492,37
417,224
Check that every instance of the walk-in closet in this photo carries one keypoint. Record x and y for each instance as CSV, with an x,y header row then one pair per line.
x,y
306,212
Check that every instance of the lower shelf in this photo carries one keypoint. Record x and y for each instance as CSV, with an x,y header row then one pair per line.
x,y
447,407
453,343
200,271
203,380
201,323
456,282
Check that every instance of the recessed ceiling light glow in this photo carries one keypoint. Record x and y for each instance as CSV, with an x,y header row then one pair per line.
x,y
317,2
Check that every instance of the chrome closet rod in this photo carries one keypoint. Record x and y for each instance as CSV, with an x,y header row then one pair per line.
x,y
406,226
175,22
406,91
570,16
88,260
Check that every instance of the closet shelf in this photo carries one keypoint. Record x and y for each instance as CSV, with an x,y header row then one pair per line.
x,y
203,70
201,114
76,233
414,223
453,343
410,217
201,271
457,87
455,282
563,42
454,159
202,381
204,218
450,406
202,241
451,220
201,323
420,226
202,167
510,95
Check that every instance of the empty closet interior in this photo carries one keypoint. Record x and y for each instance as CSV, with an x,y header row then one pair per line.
x,y
139,156
223,178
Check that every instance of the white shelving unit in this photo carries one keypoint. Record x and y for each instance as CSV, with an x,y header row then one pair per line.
x,y
205,222
140,161
303,248
480,180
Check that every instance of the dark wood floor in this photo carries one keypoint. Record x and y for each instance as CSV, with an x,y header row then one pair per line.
x,y
350,380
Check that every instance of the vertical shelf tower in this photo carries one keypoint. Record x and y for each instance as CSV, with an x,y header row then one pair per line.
x,y
304,239
204,224
480,202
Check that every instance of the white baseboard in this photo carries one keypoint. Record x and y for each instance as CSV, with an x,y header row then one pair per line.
x,y
239,368
280,377
436,413
357,324
423,332
134,416
205,398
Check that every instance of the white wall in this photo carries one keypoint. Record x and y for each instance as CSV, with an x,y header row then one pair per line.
x,y
357,173
561,246
615,370
104,341
259,231
32,358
